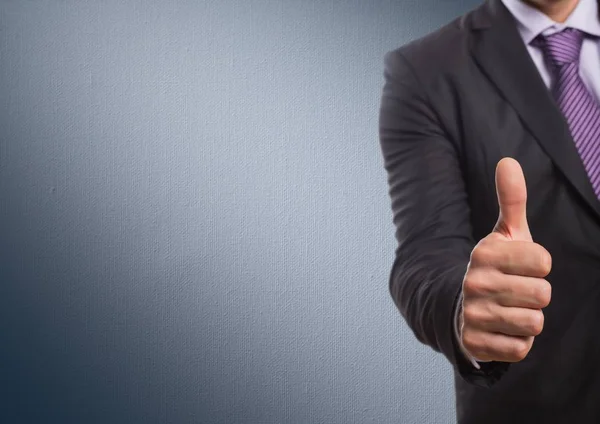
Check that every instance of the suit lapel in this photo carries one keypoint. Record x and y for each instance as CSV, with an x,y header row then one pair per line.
x,y
499,50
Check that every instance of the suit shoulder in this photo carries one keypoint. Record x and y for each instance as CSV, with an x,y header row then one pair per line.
x,y
441,51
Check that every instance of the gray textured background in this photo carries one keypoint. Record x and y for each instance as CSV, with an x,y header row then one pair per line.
x,y
194,219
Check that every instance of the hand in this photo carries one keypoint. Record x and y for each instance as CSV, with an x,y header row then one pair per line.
x,y
504,289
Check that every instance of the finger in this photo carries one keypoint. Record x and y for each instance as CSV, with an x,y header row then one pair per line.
x,y
512,200
510,321
487,346
524,292
508,290
514,257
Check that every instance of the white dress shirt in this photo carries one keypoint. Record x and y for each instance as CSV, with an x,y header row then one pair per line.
x,y
531,23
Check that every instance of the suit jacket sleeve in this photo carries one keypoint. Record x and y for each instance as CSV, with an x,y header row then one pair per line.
x,y
431,216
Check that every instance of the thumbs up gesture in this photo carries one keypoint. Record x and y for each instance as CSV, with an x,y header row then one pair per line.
x,y
504,289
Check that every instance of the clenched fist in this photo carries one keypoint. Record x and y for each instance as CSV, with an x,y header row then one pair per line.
x,y
504,289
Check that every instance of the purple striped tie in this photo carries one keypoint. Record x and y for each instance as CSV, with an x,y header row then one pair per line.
x,y
582,112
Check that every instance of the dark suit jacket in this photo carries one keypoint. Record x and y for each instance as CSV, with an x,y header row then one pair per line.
x,y
454,103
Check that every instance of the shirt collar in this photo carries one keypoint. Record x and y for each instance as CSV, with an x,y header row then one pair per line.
x,y
531,22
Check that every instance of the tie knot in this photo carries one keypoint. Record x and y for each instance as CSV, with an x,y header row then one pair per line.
x,y
562,47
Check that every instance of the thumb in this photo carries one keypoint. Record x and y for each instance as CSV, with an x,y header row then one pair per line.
x,y
512,200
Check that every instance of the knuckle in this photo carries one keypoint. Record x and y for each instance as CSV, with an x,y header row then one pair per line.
x,y
519,350
470,315
470,342
480,254
545,260
535,323
472,285
543,293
